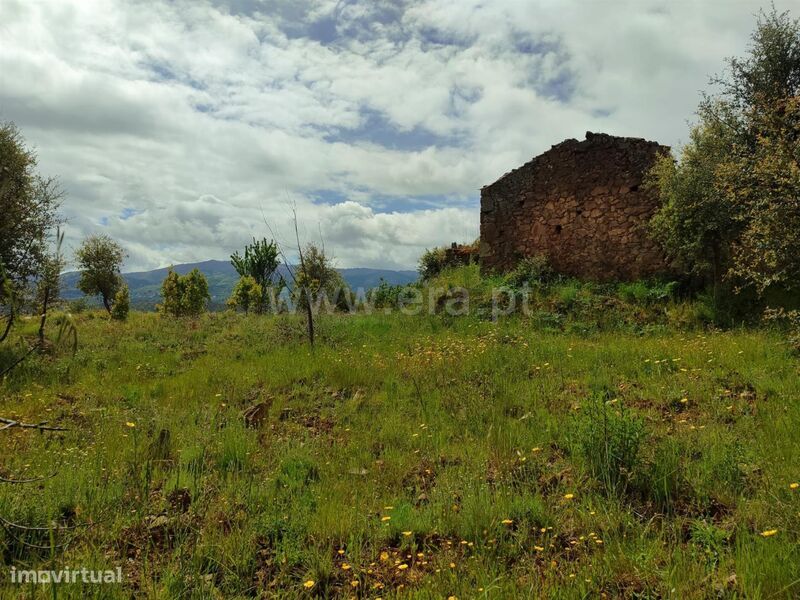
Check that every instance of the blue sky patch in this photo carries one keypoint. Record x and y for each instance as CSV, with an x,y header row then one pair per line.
x,y
376,128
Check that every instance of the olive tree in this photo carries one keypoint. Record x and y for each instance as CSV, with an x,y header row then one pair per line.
x,y
28,216
99,260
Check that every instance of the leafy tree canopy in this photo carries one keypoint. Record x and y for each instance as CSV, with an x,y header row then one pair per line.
x,y
731,201
28,208
100,259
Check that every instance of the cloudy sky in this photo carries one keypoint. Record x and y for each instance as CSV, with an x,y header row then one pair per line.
x,y
179,127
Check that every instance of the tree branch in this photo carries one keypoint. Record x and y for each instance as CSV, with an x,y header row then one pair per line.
x,y
42,426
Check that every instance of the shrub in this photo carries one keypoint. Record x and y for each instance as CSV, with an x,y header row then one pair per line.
x,y
644,292
318,280
385,295
431,263
185,295
609,438
434,261
122,304
77,306
534,270
247,294
567,295
260,261
790,320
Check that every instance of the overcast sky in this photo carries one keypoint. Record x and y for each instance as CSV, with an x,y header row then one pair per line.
x,y
179,127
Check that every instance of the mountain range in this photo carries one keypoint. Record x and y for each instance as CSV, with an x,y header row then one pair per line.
x,y
145,286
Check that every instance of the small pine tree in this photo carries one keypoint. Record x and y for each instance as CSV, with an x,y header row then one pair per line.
x,y
122,304
171,295
185,295
247,294
195,293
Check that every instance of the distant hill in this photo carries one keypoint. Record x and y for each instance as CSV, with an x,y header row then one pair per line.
x,y
146,285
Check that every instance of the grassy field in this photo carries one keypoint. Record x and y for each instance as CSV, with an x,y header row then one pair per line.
x,y
414,457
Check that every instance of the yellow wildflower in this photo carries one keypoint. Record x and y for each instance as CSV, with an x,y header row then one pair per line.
x,y
769,532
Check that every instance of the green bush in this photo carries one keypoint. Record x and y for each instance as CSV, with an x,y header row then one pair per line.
x,y
790,320
184,295
609,439
534,271
122,304
646,293
434,261
385,295
77,306
246,295
431,263
567,295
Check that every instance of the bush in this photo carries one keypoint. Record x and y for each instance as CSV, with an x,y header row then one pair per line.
x,y
431,263
534,271
185,295
385,295
247,294
122,304
609,438
318,281
436,260
645,293
77,306
790,320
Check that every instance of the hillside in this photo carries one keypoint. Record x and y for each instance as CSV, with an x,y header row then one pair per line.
x,y
145,286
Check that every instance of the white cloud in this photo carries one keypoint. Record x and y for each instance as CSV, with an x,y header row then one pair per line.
x,y
204,117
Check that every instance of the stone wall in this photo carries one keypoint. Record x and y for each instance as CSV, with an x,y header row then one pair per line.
x,y
581,204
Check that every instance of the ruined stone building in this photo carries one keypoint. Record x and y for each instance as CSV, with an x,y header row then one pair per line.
x,y
582,204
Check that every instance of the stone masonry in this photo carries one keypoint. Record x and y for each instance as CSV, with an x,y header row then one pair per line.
x,y
581,204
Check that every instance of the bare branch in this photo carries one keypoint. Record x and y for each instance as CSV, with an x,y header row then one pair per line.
x,y
41,426
31,480
14,365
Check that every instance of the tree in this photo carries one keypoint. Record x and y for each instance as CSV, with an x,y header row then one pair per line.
x,y
731,202
100,259
28,214
763,186
317,277
247,294
260,261
696,224
769,74
185,295
122,304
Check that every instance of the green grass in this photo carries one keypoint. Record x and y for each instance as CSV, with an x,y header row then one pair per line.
x,y
498,460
